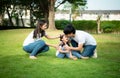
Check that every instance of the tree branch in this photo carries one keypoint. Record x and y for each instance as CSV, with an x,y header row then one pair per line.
x,y
60,3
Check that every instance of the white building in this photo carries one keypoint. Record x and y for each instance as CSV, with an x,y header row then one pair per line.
x,y
89,15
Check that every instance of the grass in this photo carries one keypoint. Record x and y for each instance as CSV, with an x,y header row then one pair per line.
x,y
14,62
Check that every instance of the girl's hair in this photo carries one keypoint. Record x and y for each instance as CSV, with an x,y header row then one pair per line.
x,y
38,30
62,44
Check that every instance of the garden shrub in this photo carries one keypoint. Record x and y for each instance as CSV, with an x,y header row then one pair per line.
x,y
90,25
60,24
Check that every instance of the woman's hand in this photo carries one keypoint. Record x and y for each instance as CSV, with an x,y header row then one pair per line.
x,y
56,47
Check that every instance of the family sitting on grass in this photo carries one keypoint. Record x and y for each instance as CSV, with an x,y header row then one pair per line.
x,y
74,44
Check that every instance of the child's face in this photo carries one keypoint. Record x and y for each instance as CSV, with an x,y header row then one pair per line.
x,y
65,39
44,26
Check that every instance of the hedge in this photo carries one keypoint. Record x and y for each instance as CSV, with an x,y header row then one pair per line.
x,y
90,25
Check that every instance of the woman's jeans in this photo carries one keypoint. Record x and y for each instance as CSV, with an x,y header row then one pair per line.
x,y
36,47
88,50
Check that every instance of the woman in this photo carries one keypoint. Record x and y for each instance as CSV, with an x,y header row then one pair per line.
x,y
34,44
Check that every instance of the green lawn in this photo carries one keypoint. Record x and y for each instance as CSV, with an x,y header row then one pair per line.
x,y
14,62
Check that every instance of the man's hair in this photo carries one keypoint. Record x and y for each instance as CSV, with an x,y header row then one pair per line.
x,y
69,29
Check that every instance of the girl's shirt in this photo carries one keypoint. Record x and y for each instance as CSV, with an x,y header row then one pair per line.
x,y
62,48
30,39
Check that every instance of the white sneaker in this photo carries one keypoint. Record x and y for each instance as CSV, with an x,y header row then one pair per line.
x,y
33,57
95,54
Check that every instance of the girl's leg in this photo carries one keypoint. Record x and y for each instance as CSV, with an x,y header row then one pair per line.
x,y
29,48
77,54
45,49
39,45
69,55
60,55
88,50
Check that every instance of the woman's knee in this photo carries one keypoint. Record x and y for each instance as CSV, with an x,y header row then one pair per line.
x,y
46,48
26,49
41,42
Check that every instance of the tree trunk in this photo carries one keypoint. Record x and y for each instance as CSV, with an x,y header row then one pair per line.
x,y
46,16
98,24
31,17
51,15
10,19
22,21
1,19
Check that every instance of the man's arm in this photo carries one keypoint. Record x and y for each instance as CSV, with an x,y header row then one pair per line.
x,y
79,48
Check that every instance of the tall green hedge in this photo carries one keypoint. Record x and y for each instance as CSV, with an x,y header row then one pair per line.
x,y
85,25
90,25
110,26
60,24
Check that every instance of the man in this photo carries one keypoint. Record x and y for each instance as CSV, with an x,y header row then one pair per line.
x,y
82,42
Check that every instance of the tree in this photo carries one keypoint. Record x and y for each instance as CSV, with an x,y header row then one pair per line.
x,y
52,11
37,9
2,9
5,6
13,9
98,24
51,14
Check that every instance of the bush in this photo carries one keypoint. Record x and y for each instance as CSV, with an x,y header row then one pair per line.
x,y
5,22
79,25
60,24
107,30
90,25
85,25
110,26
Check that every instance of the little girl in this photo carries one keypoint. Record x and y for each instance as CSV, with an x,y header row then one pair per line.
x,y
62,52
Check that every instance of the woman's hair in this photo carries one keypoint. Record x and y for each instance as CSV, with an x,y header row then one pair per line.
x,y
38,30
69,29
62,44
